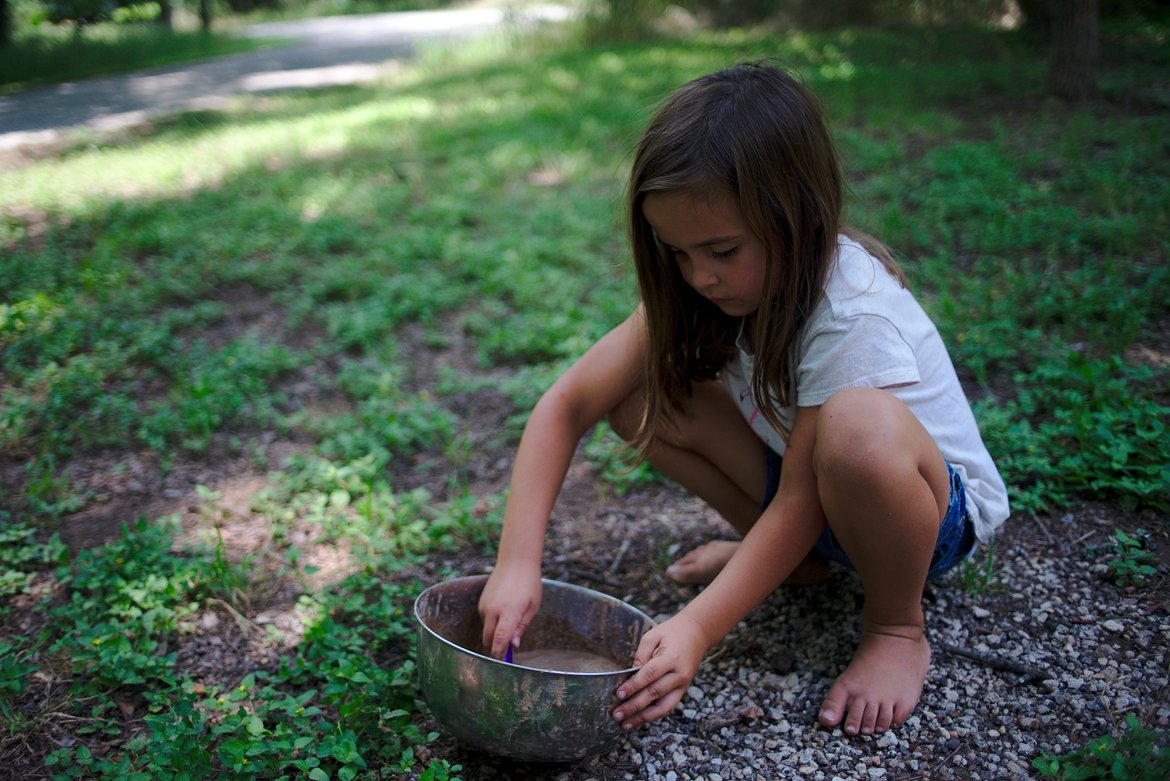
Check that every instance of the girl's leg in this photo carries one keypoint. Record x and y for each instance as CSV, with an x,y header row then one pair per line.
x,y
710,451
884,488
713,453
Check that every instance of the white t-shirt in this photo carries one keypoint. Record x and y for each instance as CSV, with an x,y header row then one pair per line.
x,y
868,331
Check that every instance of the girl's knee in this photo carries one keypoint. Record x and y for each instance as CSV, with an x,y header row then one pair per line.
x,y
860,428
868,441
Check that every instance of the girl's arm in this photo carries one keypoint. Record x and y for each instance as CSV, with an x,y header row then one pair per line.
x,y
596,383
669,654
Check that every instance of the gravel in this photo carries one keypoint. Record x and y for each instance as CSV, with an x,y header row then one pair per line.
x,y
1049,655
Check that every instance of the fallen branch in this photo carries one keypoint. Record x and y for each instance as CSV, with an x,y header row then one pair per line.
x,y
1028,673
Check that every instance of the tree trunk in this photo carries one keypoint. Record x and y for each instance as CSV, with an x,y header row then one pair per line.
x,y
205,15
1075,44
5,23
164,13
1037,17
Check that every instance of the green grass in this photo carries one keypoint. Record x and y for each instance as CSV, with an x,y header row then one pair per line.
x,y
174,291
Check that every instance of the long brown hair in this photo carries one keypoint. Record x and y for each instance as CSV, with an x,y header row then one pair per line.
x,y
756,134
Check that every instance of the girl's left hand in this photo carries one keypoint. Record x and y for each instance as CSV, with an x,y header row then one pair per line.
x,y
669,656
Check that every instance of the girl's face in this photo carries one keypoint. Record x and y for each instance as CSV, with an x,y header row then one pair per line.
x,y
716,253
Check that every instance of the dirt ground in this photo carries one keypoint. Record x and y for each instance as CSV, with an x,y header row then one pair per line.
x,y
619,545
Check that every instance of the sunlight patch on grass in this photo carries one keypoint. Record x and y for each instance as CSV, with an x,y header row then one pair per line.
x,y
196,158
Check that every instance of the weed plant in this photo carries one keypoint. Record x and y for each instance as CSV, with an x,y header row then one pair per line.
x,y
1130,557
273,268
1138,754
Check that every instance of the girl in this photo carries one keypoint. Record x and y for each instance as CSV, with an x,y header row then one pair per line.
x,y
766,337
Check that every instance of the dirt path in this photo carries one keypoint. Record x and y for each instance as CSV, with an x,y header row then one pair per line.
x,y
321,52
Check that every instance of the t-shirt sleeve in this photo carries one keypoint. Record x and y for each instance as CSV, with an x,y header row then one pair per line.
x,y
862,351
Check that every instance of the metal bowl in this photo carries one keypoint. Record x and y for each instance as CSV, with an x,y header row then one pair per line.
x,y
520,712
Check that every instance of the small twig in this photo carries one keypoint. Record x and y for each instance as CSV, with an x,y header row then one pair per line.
x,y
946,761
595,577
621,554
242,621
1085,536
718,652
716,723
1027,673
60,716
728,718
1043,528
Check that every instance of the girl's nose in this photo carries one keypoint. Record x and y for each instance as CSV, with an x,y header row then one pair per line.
x,y
703,276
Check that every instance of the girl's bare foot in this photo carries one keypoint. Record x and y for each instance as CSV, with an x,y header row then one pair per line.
x,y
881,686
701,565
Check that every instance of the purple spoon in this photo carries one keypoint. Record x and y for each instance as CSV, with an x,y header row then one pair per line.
x,y
508,654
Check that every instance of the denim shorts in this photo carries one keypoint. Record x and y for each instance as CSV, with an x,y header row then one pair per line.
x,y
956,534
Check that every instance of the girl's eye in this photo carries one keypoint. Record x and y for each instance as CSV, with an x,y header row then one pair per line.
x,y
724,254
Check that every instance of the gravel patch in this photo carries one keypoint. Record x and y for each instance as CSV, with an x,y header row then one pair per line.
x,y
1050,655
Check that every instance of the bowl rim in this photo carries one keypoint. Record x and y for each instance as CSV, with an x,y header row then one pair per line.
x,y
650,623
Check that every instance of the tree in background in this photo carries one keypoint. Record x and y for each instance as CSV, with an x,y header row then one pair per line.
x,y
5,23
622,20
1037,16
1075,43
1070,28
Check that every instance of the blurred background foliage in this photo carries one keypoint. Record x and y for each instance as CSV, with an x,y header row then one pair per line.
x,y
620,18
42,41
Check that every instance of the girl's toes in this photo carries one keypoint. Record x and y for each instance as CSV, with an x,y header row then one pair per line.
x,y
832,709
885,718
853,721
869,718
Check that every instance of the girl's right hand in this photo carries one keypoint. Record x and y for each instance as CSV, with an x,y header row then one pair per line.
x,y
508,603
608,375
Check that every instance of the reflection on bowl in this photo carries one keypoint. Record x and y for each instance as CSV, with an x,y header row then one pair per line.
x,y
521,712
